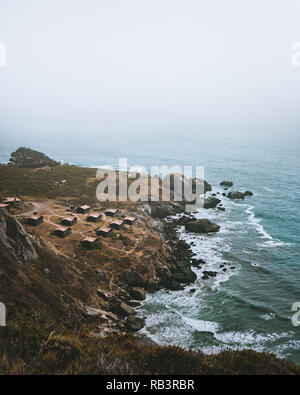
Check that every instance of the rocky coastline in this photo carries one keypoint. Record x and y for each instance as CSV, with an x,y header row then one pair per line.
x,y
177,272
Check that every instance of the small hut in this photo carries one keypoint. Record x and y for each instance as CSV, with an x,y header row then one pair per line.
x,y
111,212
95,217
2,205
129,220
35,220
69,221
117,224
90,242
12,201
104,232
83,209
62,182
62,232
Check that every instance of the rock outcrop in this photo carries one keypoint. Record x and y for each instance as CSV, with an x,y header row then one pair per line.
x,y
133,278
239,195
15,239
138,293
163,211
134,324
236,195
226,183
208,274
29,158
207,187
211,202
202,226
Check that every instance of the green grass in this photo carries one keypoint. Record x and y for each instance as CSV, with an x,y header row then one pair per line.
x,y
31,350
41,184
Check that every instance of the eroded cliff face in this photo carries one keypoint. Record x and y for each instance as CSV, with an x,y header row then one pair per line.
x,y
15,239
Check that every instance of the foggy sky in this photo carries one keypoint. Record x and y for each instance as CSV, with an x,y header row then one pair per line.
x,y
140,66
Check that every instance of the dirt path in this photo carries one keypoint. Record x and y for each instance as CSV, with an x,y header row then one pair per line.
x,y
41,207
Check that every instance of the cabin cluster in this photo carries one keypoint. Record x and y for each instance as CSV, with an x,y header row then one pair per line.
x,y
69,221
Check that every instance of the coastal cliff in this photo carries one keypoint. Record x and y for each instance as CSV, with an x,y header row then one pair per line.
x,y
69,309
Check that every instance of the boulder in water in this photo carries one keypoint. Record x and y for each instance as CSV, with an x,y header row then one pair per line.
x,y
226,183
211,202
236,195
207,275
202,226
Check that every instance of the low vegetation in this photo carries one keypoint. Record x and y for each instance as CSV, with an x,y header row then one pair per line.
x,y
34,350
27,157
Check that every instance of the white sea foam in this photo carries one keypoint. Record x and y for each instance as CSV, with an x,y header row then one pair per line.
x,y
256,223
251,339
269,189
173,327
275,243
209,249
267,316
201,325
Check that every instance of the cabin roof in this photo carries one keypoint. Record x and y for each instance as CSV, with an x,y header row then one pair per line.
x,y
62,229
95,215
90,239
106,230
130,218
11,199
111,210
68,219
3,205
118,222
85,207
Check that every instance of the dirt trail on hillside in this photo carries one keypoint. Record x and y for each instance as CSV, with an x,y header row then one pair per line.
x,y
41,207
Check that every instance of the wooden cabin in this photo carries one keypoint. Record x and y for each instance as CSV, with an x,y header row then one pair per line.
x,y
129,220
62,182
117,224
62,232
95,217
69,221
35,220
104,232
2,205
12,201
83,209
90,242
111,212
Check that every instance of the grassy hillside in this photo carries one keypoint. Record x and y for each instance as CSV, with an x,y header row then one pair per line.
x,y
41,183
33,350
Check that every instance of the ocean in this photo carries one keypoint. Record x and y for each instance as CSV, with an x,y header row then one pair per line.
x,y
248,305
